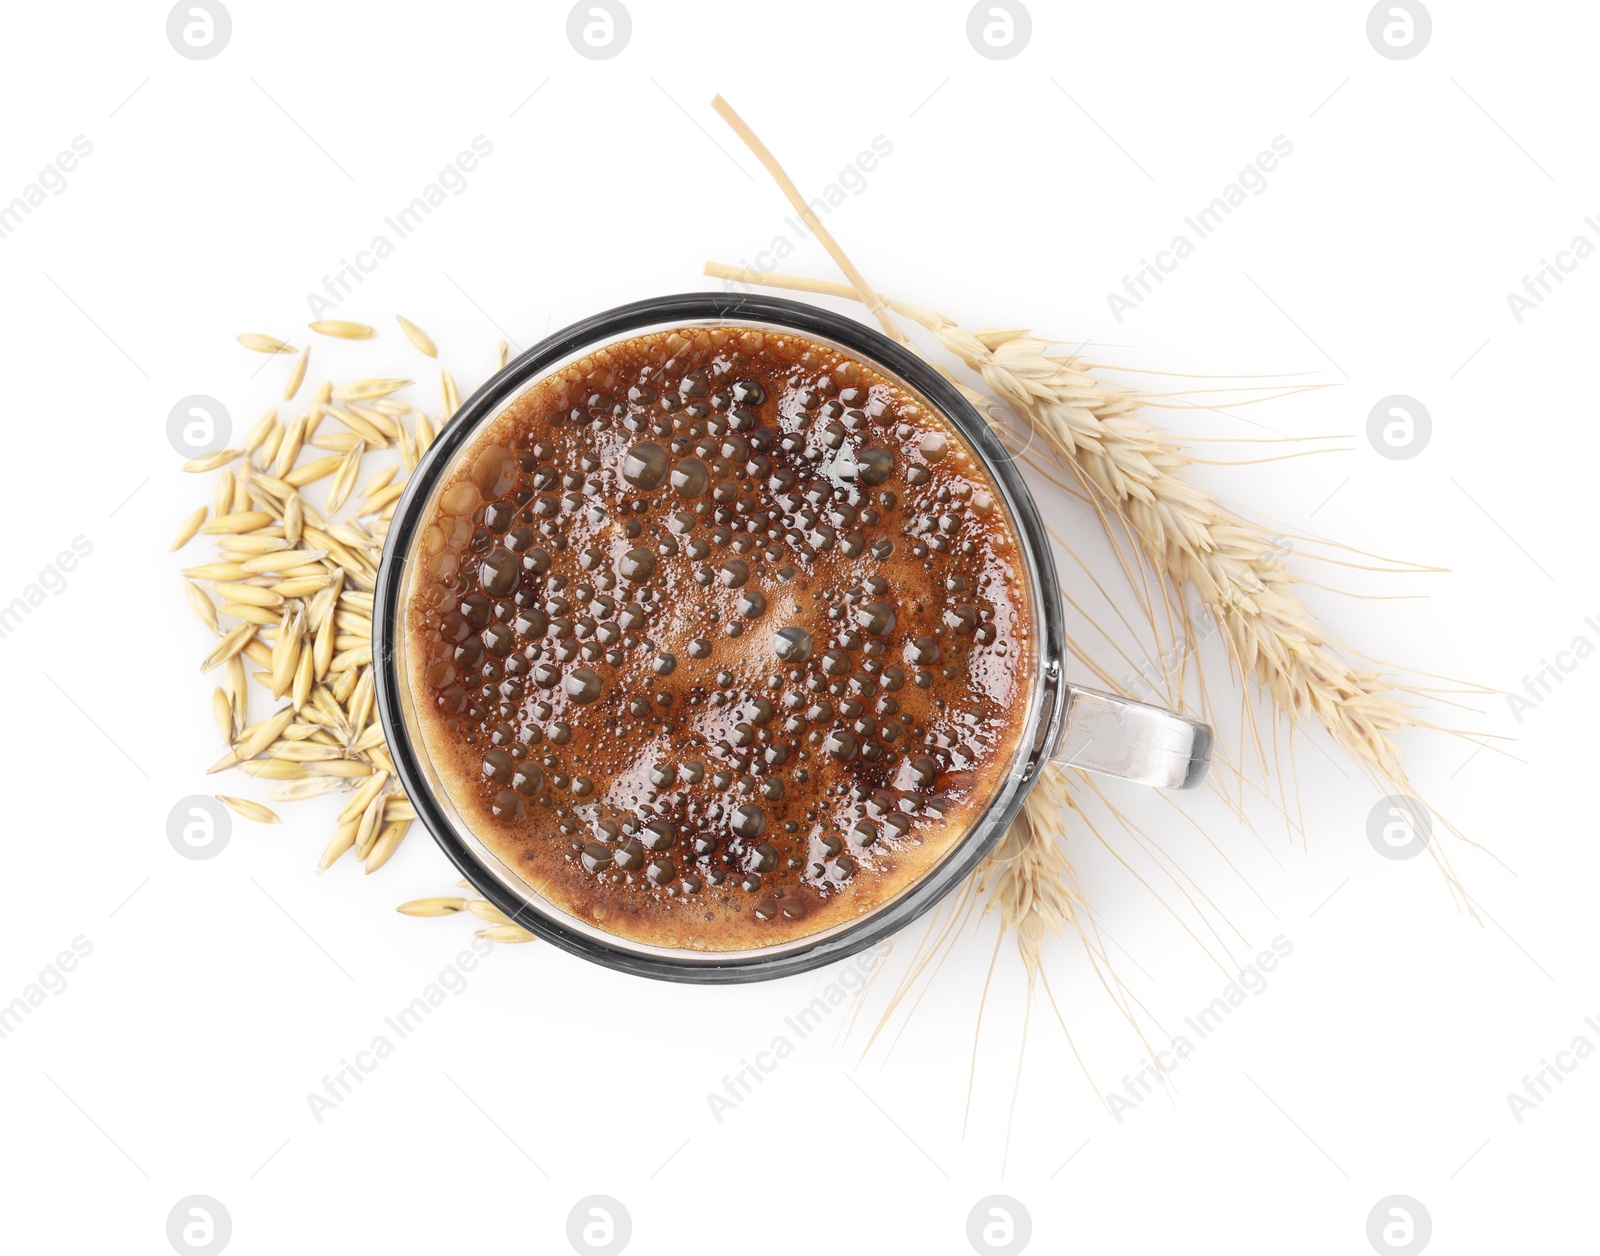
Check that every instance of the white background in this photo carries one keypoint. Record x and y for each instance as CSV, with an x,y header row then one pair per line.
x,y
219,993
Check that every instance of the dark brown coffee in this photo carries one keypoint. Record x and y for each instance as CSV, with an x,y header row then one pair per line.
x,y
720,638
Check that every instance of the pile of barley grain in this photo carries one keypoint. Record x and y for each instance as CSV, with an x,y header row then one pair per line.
x,y
290,592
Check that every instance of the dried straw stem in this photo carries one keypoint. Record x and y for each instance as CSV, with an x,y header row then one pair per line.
x,y
1133,474
1032,891
1030,883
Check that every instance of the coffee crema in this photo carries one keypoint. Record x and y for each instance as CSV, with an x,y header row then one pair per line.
x,y
719,638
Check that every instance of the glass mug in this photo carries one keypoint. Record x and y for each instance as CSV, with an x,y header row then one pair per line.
x,y
1064,723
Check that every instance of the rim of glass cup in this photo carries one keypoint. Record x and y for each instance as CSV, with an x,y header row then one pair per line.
x,y
500,883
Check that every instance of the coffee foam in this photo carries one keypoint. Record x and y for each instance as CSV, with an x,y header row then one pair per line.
x,y
658,767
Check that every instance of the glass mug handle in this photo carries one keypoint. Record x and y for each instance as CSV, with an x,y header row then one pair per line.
x,y
1114,736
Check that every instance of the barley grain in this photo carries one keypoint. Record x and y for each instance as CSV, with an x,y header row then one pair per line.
x,y
293,519
244,521
343,839
360,703
299,791
328,707
342,329
233,681
232,642
249,810
382,499
322,648
270,488
369,389
335,442
344,479
304,678
488,912
222,713
281,560
369,740
361,427
311,472
343,685
202,606
258,433
261,616
387,426
440,906
380,481
216,571
306,752
297,374
272,769
367,832
351,659
419,338
259,343
301,586
387,843
362,797
241,547
252,741
505,933
354,623
289,448
210,462
188,529
349,769
249,594
286,652
270,445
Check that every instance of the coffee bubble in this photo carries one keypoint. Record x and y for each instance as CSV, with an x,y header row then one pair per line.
x,y
690,478
493,472
748,821
878,618
792,644
583,685
645,465
637,565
